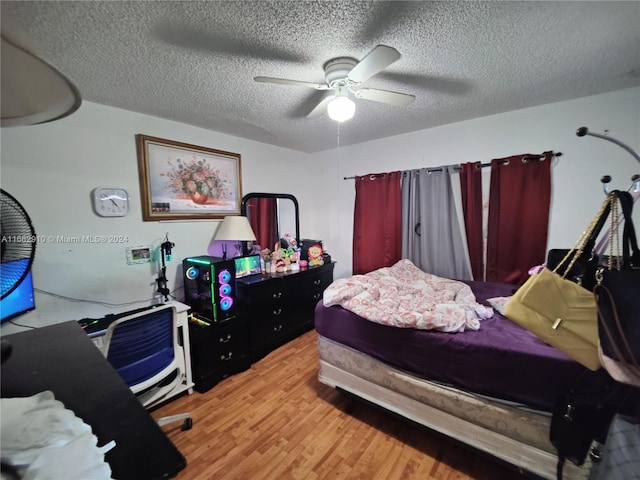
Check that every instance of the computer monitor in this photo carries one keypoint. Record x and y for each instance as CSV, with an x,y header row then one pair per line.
x,y
248,265
20,300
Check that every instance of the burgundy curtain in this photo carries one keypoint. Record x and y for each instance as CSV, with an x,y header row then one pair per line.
x,y
471,187
518,219
377,222
263,218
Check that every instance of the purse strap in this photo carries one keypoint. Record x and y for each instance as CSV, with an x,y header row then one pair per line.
x,y
587,239
591,241
630,251
620,200
614,231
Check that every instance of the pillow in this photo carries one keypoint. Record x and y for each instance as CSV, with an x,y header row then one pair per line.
x,y
498,303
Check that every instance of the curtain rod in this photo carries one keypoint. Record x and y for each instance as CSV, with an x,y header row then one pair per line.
x,y
527,158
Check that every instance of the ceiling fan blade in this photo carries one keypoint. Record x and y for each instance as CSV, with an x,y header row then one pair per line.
x,y
376,60
297,83
385,96
321,107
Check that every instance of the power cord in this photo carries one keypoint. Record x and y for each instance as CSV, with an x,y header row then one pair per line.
x,y
165,252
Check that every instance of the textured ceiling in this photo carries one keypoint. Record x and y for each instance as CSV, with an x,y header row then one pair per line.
x,y
194,61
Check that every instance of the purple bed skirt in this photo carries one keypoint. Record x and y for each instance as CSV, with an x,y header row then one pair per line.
x,y
501,360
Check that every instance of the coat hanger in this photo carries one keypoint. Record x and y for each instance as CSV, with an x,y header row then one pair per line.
x,y
633,188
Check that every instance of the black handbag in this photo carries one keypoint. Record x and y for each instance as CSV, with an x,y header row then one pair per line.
x,y
583,269
578,419
582,272
582,416
617,298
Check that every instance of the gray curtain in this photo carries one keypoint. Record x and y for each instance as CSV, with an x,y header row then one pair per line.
x,y
431,236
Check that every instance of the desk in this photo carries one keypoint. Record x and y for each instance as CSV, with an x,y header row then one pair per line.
x,y
62,358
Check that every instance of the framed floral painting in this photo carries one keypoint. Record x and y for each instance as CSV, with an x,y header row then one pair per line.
x,y
179,181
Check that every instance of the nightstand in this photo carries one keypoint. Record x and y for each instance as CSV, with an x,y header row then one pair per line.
x,y
218,350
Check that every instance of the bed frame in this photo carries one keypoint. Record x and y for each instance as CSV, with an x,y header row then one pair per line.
x,y
518,436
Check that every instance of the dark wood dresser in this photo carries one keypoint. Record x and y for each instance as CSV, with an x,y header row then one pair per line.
x,y
280,307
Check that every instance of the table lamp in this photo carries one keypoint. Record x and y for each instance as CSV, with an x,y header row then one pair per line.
x,y
234,228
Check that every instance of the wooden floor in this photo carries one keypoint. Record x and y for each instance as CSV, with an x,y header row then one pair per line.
x,y
277,421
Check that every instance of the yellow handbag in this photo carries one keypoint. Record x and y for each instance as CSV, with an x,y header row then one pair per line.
x,y
559,311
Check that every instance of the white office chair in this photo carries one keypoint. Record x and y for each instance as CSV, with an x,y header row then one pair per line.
x,y
145,350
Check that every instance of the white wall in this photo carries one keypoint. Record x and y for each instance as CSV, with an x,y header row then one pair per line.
x,y
51,170
577,191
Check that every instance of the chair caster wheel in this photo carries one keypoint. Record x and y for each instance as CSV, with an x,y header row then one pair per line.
x,y
187,424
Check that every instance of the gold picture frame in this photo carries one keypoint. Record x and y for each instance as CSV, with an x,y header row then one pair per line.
x,y
180,181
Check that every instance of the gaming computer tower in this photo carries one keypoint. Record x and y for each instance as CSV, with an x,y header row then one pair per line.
x,y
218,334
210,288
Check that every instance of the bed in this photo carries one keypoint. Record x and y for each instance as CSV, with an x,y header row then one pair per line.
x,y
489,384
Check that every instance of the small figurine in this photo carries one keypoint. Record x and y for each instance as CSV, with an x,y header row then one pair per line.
x,y
292,260
278,260
291,241
315,255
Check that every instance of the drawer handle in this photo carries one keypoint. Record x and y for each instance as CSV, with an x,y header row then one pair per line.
x,y
317,282
277,328
226,358
225,340
277,295
317,296
277,312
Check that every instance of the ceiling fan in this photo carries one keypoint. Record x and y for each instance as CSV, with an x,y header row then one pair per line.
x,y
344,75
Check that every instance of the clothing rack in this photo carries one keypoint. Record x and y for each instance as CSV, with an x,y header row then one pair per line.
x,y
606,179
582,131
525,159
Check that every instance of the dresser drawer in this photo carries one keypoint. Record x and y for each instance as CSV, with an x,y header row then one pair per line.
x,y
265,328
272,311
218,346
310,288
274,292
229,340
311,297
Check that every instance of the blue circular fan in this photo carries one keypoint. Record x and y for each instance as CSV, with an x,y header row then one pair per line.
x,y
18,245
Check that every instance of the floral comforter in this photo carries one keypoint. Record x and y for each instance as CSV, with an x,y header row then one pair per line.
x,y
405,296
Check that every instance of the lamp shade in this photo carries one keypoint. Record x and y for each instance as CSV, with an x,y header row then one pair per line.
x,y
235,228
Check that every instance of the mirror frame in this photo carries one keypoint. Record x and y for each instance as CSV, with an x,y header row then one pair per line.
x,y
284,196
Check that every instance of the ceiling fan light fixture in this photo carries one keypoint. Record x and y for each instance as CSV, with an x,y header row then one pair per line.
x,y
341,109
343,75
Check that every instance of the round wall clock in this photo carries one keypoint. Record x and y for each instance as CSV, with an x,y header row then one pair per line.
x,y
110,201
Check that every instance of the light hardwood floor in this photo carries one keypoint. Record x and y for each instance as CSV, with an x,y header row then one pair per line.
x,y
277,421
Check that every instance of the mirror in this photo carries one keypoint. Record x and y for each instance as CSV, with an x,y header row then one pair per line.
x,y
271,216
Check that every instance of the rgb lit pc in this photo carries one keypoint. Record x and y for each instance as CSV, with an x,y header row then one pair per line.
x,y
210,284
